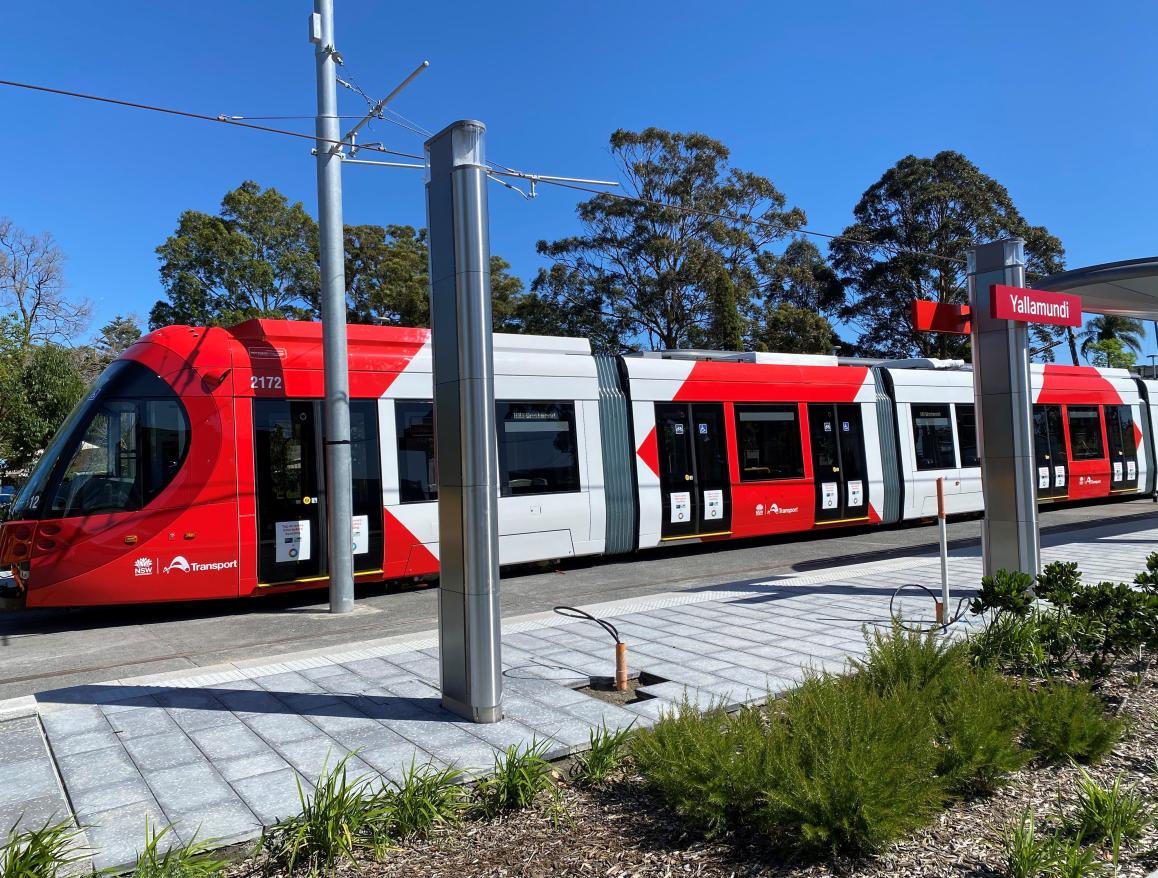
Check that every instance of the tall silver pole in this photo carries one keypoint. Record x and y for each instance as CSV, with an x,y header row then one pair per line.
x,y
339,502
1003,395
466,445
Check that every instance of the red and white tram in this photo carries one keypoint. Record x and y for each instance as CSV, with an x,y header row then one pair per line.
x,y
194,467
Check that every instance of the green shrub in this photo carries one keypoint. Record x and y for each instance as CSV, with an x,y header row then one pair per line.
x,y
520,775
1064,721
708,768
1058,581
423,798
42,852
338,818
1027,854
848,769
604,756
1007,591
899,658
1012,643
1109,814
1116,620
979,735
1147,580
191,860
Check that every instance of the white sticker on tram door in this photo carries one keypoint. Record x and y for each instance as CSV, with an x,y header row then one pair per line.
x,y
713,505
681,507
293,541
1117,470
828,496
855,494
360,527
1131,470
1059,476
1043,476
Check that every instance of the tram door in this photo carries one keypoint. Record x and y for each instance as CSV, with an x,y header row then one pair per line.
x,y
1123,447
291,496
1049,446
693,469
838,461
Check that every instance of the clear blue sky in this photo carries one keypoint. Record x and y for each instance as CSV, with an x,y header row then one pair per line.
x,y
1053,99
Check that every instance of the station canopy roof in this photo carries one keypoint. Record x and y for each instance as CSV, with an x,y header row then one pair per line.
x,y
1127,288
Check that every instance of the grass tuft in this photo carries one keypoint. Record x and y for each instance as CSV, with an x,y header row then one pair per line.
x,y
520,775
1109,814
423,799
1027,854
42,852
604,756
192,860
337,820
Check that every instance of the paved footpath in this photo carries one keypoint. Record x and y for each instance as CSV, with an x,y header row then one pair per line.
x,y
222,753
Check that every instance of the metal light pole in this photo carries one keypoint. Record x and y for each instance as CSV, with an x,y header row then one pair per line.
x,y
466,444
339,501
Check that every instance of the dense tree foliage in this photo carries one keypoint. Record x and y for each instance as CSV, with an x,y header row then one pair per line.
x,y
911,231
646,271
1126,331
1109,353
39,385
259,258
797,330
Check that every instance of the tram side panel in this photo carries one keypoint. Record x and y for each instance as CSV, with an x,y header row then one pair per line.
x,y
138,501
799,444
937,439
551,502
1088,440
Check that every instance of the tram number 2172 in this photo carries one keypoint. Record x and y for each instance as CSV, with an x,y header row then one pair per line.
x,y
265,382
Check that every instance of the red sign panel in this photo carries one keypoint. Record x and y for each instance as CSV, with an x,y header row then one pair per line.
x,y
941,317
1035,306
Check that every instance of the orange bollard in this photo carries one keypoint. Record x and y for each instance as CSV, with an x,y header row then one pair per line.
x,y
621,667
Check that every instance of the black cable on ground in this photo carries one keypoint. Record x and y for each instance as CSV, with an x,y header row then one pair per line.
x,y
583,616
958,614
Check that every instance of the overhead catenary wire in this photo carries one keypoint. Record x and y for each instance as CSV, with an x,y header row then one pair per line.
x,y
501,169
223,119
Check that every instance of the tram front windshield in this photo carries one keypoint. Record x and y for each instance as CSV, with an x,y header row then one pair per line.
x,y
120,447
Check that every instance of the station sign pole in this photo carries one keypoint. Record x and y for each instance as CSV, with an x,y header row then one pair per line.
x,y
466,443
1003,399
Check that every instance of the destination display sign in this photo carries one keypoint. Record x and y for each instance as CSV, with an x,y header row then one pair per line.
x,y
1035,306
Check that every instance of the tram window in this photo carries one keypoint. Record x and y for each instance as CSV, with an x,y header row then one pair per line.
x,y
1120,423
417,478
932,437
1085,432
967,435
364,456
537,448
769,441
130,452
164,440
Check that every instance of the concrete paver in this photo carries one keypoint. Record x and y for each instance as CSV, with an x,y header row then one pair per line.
x,y
222,753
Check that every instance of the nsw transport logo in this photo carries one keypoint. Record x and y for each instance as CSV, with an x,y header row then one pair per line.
x,y
178,563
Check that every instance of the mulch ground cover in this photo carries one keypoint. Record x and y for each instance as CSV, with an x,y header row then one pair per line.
x,y
622,830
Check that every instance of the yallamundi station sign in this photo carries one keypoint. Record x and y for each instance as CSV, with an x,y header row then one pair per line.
x,y
1035,306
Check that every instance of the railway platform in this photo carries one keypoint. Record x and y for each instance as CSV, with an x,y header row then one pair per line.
x,y
220,750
